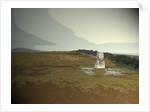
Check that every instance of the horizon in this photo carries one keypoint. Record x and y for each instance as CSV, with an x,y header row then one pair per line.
x,y
53,29
13,50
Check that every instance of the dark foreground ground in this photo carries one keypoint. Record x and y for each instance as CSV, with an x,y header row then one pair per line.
x,y
53,94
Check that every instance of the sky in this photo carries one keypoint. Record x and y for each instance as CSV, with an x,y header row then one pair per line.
x,y
65,29
101,25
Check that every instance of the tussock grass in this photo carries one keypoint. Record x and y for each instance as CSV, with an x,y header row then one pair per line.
x,y
100,71
109,63
64,69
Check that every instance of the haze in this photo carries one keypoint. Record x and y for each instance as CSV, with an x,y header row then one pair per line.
x,y
56,29
101,25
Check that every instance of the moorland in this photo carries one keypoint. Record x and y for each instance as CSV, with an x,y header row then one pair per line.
x,y
57,78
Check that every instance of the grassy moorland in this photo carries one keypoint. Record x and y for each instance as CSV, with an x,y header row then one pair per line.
x,y
57,78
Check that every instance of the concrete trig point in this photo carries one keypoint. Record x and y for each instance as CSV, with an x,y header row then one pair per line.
x,y
100,64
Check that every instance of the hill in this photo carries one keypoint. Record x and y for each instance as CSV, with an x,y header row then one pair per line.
x,y
57,78
19,50
23,39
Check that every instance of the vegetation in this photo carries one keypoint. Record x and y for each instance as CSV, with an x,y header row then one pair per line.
x,y
101,71
91,52
120,60
132,62
57,77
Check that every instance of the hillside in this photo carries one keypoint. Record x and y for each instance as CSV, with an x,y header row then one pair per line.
x,y
19,50
57,78
132,56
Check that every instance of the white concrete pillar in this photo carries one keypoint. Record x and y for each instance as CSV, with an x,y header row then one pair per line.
x,y
100,62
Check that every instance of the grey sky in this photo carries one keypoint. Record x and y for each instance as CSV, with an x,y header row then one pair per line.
x,y
101,25
72,29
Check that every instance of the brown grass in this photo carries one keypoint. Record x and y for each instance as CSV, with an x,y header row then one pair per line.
x,y
100,71
57,78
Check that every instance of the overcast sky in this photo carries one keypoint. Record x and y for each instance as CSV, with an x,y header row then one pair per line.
x,y
65,29
101,25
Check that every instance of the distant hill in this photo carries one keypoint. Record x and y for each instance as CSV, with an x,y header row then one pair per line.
x,y
132,56
23,39
46,28
24,50
47,34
